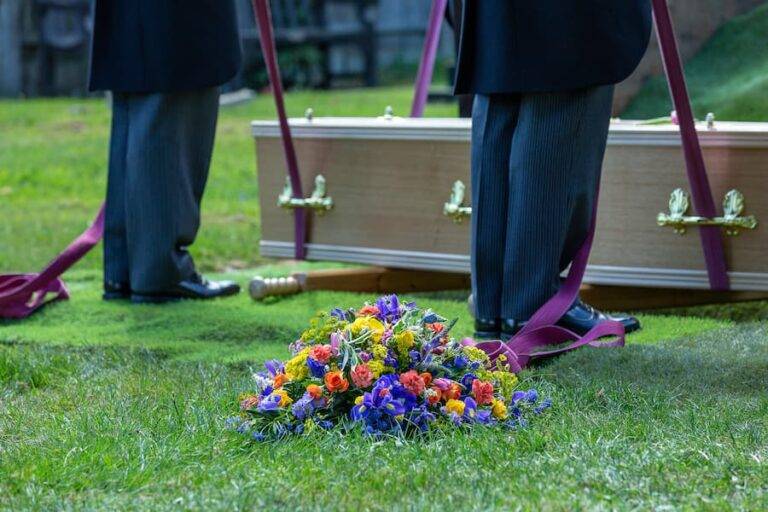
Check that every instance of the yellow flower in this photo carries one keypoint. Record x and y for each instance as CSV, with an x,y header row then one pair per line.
x,y
285,400
296,368
377,368
456,406
499,409
379,352
507,382
475,354
359,400
370,324
404,341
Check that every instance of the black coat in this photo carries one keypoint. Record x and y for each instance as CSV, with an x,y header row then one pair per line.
x,y
163,45
510,46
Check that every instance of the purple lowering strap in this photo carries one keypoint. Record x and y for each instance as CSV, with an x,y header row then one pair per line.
x,y
711,237
23,294
262,13
428,55
541,331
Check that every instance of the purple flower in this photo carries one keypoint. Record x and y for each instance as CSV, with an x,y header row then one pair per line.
x,y
460,361
269,404
274,367
336,339
467,380
378,410
316,368
470,408
296,347
389,308
546,404
303,407
364,356
484,417
532,396
415,356
420,417
390,360
339,314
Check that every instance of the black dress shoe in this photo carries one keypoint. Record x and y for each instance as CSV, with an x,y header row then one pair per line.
x,y
116,291
583,317
486,329
510,327
196,287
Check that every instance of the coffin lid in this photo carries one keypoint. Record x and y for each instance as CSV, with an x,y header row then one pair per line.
x,y
622,132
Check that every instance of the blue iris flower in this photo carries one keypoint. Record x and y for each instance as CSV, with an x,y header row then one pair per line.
x,y
274,367
420,417
269,404
460,362
378,410
389,308
467,380
316,369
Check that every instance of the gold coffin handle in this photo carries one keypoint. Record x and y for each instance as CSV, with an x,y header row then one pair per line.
x,y
318,200
455,208
732,220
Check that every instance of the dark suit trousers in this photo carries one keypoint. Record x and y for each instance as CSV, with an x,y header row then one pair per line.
x,y
536,162
160,152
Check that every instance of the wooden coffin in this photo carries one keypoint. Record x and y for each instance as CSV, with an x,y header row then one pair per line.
x,y
390,179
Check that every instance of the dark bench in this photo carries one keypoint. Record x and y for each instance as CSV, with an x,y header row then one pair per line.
x,y
304,24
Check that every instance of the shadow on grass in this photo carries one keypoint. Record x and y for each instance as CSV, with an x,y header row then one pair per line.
x,y
722,362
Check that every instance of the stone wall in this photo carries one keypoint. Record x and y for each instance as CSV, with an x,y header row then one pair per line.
x,y
695,22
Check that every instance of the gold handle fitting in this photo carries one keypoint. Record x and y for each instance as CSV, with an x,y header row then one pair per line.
x,y
732,220
318,200
455,208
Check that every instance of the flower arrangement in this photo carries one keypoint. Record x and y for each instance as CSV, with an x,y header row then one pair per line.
x,y
390,368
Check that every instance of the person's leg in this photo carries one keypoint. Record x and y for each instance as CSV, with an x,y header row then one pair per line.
x,y
116,277
557,155
169,151
493,124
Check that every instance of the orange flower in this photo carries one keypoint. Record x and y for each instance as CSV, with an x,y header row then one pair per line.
x,y
427,378
321,353
368,310
249,402
335,381
412,381
436,327
434,395
452,393
315,391
482,391
280,379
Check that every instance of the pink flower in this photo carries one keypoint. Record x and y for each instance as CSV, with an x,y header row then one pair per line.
x,y
362,376
321,353
413,382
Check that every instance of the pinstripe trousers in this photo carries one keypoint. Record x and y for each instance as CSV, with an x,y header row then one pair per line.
x,y
160,151
536,163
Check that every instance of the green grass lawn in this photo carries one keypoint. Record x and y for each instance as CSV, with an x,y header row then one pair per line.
x,y
53,161
120,407
728,76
